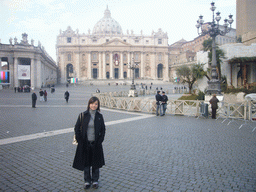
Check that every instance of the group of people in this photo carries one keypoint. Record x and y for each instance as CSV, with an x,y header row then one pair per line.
x,y
43,97
161,103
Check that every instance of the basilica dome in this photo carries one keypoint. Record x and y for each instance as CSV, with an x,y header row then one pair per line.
x,y
107,25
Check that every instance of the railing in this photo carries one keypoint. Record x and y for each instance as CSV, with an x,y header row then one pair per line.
x,y
120,100
245,111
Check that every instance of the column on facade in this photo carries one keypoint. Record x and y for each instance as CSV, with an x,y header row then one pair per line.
x,y
32,72
77,65
104,65
122,65
129,63
165,67
63,69
89,71
11,68
111,65
15,70
153,66
39,73
132,62
142,67
100,66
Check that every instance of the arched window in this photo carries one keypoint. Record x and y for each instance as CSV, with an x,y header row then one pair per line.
x,y
69,57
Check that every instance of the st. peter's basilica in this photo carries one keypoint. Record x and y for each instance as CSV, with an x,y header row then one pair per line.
x,y
107,53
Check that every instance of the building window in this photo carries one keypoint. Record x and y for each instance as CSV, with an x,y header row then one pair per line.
x,y
94,40
94,56
83,40
107,40
125,58
136,56
147,41
160,57
124,40
124,64
137,41
69,57
125,74
94,64
69,40
159,41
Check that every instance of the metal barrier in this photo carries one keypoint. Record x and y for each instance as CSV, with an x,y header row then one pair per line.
x,y
139,104
232,112
235,112
251,113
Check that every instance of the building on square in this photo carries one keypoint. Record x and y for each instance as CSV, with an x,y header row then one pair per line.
x,y
26,64
106,52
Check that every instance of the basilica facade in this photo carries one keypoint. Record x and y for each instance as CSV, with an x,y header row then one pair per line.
x,y
107,53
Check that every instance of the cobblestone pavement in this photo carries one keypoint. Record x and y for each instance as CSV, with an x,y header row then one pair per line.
x,y
143,152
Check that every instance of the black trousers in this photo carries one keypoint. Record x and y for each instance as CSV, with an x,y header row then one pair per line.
x,y
91,174
214,113
33,103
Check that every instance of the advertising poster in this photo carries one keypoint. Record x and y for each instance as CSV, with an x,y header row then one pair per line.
x,y
23,72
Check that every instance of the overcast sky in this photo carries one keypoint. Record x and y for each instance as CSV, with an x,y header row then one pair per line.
x,y
43,19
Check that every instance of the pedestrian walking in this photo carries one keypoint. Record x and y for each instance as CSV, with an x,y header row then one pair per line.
x,y
45,95
41,94
66,96
90,132
158,104
15,89
34,98
214,104
164,103
97,90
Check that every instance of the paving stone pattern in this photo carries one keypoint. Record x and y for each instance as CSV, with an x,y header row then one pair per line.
x,y
170,153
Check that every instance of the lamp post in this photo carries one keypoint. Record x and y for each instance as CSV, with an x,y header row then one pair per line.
x,y
214,30
132,91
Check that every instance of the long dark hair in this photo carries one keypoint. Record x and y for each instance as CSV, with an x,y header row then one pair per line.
x,y
92,100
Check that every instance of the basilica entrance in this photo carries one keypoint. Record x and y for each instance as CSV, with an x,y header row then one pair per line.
x,y
137,73
69,72
94,73
160,71
116,73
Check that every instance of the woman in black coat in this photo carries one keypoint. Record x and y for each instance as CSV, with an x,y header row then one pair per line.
x,y
90,133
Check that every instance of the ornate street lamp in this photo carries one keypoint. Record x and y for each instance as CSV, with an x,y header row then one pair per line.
x,y
132,91
214,30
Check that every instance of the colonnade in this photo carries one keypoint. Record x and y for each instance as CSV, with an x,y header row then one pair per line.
x,y
84,62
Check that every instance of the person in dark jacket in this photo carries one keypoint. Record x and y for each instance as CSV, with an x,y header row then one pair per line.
x,y
45,95
214,104
66,96
90,132
41,93
164,103
34,98
158,104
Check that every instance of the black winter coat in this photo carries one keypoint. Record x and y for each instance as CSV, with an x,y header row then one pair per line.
x,y
214,102
158,98
34,97
82,151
